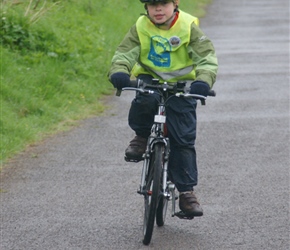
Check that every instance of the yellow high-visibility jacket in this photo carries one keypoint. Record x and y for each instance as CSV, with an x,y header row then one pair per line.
x,y
181,53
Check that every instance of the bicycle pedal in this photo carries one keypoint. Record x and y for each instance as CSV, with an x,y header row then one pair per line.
x,y
182,215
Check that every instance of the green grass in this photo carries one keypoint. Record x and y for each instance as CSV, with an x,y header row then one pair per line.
x,y
54,61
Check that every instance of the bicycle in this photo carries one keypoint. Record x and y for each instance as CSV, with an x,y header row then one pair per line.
x,y
155,186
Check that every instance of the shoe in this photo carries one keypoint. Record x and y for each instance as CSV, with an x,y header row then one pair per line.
x,y
189,205
136,148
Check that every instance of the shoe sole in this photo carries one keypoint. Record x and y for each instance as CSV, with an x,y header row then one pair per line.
x,y
195,214
131,159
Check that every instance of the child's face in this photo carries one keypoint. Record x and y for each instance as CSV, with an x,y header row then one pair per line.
x,y
160,12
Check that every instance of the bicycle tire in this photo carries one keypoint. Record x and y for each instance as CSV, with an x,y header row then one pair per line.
x,y
162,203
152,194
161,211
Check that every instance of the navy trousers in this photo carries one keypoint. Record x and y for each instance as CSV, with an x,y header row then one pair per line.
x,y
181,125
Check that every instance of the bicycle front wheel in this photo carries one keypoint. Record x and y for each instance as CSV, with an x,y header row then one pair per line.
x,y
152,192
162,203
161,211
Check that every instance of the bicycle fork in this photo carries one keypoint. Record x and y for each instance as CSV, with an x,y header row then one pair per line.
x,y
168,188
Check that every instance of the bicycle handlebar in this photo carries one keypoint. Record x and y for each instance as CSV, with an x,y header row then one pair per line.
x,y
179,89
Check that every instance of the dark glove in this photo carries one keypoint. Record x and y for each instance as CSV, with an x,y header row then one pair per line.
x,y
120,80
199,88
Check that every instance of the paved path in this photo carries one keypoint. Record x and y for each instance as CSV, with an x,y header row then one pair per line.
x,y
74,191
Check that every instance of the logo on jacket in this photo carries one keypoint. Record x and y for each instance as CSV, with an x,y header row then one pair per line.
x,y
159,53
174,41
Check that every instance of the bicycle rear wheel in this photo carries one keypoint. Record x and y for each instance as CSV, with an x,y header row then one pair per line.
x,y
152,193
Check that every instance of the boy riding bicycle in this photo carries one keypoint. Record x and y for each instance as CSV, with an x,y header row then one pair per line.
x,y
167,44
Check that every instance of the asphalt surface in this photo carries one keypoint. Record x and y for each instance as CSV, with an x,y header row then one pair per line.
x,y
75,191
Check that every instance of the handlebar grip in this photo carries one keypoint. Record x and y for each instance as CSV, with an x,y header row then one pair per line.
x,y
133,83
211,93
